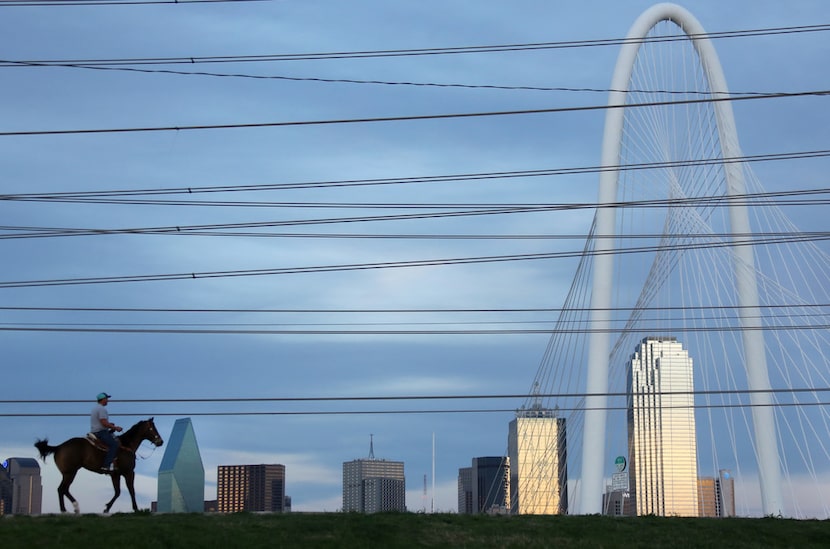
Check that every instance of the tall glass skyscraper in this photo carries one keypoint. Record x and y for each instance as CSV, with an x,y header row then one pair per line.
x,y
662,444
485,486
537,448
181,476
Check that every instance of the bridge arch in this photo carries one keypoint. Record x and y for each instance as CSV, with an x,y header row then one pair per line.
x,y
591,483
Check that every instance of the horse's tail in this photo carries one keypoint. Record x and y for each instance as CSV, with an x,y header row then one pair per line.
x,y
44,448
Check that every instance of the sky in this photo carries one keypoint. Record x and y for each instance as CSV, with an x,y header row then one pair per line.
x,y
163,364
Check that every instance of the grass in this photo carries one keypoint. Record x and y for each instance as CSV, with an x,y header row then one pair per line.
x,y
403,530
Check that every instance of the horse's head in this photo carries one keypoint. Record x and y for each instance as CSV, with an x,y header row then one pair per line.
x,y
149,432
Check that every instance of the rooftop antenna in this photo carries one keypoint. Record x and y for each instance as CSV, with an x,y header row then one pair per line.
x,y
432,503
537,403
424,497
371,446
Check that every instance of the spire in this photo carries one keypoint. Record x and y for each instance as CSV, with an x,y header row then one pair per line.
x,y
371,447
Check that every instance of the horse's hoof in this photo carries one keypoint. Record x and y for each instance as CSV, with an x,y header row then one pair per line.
x,y
76,507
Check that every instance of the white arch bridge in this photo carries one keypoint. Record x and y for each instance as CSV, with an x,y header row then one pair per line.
x,y
726,273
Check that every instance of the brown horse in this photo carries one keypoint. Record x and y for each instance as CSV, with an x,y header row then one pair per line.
x,y
79,452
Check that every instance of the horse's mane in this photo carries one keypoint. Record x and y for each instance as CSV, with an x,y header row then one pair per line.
x,y
132,431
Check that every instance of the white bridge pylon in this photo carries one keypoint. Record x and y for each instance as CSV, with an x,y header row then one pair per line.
x,y
591,485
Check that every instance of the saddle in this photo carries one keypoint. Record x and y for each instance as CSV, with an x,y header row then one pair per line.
x,y
98,443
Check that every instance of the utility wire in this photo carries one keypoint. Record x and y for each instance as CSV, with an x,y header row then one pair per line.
x,y
55,3
410,118
410,311
366,398
370,82
80,196
22,326
411,332
578,408
453,50
751,199
421,412
397,264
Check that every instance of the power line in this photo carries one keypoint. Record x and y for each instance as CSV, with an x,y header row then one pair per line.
x,y
794,197
365,398
82,196
421,411
421,332
409,311
451,50
372,82
395,264
410,118
562,408
55,3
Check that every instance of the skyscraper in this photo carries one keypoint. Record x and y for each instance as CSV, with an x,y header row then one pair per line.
x,y
716,496
21,491
662,445
250,488
537,448
707,497
373,485
181,476
6,489
490,478
465,490
726,493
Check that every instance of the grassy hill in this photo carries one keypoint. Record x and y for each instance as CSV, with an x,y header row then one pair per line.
x,y
402,530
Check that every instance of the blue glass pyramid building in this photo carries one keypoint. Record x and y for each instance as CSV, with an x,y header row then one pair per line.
x,y
181,477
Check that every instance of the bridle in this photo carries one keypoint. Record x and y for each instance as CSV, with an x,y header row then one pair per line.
x,y
156,440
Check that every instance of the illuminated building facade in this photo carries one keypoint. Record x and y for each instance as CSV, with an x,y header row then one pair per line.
x,y
662,444
181,476
537,452
716,496
257,488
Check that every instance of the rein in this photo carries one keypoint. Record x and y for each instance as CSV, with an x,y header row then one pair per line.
x,y
152,451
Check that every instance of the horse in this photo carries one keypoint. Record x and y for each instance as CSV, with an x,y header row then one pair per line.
x,y
79,452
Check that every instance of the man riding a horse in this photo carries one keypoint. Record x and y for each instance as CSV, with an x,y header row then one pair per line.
x,y
101,426
81,453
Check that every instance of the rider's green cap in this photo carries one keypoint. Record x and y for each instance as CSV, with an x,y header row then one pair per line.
x,y
102,396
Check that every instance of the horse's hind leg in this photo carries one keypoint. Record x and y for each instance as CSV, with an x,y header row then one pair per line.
x,y
63,490
116,485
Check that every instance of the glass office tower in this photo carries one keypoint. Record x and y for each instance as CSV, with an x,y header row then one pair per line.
x,y
181,476
662,444
490,484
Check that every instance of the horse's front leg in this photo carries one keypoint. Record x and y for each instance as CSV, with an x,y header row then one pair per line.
x,y
116,485
129,480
